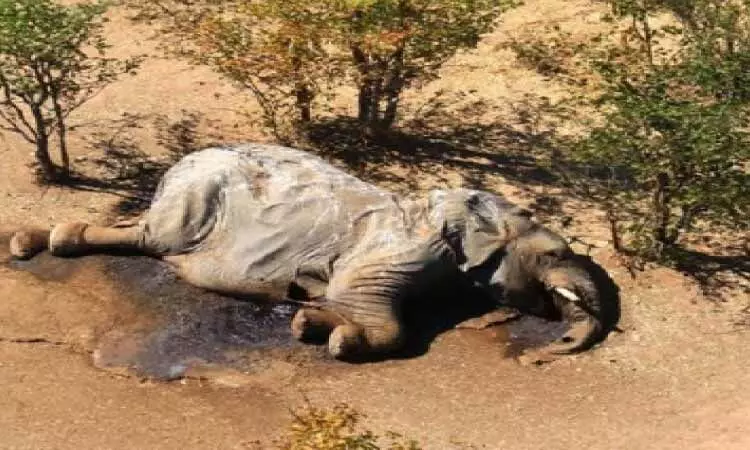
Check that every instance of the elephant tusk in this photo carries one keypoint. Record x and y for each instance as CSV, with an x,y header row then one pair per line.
x,y
567,293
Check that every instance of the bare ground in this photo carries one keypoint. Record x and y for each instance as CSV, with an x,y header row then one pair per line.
x,y
675,377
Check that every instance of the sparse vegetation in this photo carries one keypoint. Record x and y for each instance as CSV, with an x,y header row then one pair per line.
x,y
551,52
52,60
337,428
666,92
291,53
672,99
674,131
668,150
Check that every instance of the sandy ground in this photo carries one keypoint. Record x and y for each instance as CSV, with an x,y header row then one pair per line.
x,y
675,377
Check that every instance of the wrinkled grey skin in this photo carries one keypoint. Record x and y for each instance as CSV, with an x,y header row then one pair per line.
x,y
261,220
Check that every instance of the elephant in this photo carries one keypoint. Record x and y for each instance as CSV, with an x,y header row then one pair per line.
x,y
276,223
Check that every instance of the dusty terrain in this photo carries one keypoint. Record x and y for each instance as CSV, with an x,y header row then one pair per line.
x,y
675,377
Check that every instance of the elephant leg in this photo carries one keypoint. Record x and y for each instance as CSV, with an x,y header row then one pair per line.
x,y
373,324
312,323
371,293
75,238
125,223
355,332
80,238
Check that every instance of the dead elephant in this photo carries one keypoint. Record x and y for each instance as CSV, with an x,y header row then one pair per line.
x,y
262,220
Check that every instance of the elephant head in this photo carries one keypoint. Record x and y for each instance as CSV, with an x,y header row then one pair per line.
x,y
521,263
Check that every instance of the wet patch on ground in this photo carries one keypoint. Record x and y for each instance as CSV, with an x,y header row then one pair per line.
x,y
524,333
45,267
184,329
166,329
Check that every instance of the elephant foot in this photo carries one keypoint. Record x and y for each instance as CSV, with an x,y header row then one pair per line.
x,y
27,243
346,340
66,239
311,324
300,325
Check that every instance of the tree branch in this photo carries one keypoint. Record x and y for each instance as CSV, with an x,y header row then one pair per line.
x,y
21,118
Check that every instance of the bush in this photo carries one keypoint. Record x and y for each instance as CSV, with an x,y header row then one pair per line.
x,y
673,133
336,429
51,61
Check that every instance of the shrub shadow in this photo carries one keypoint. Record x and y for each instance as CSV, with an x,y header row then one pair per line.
x,y
125,170
714,273
402,157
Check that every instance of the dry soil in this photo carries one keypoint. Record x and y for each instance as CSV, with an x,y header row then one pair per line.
x,y
80,338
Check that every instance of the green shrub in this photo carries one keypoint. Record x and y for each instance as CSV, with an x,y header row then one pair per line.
x,y
52,60
673,132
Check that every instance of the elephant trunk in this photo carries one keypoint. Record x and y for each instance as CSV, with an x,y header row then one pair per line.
x,y
578,302
584,330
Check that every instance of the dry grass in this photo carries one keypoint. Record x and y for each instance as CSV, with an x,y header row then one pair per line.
x,y
337,428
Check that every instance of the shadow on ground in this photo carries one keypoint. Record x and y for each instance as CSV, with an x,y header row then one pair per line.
x,y
125,170
715,273
477,152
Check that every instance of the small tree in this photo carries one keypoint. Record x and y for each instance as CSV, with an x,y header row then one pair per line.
x,y
279,50
51,62
674,133
288,52
396,43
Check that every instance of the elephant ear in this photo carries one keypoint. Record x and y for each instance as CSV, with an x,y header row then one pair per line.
x,y
484,222
482,233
